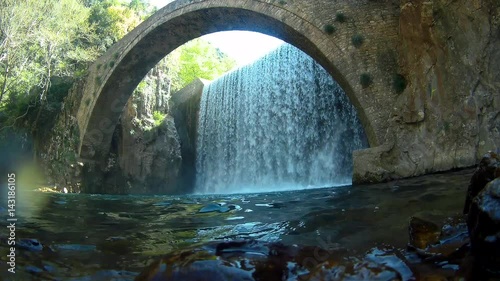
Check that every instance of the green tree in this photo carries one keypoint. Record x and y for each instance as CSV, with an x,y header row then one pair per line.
x,y
37,41
200,59
112,19
196,59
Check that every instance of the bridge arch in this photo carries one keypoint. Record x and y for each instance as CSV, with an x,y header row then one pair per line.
x,y
114,76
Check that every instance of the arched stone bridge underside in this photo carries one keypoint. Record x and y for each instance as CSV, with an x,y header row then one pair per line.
x,y
114,76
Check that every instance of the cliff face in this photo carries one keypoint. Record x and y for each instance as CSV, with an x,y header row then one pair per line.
x,y
449,114
58,155
145,152
185,110
145,155
143,160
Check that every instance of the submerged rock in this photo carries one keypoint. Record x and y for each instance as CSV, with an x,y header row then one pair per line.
x,y
30,244
423,233
254,260
75,247
108,275
219,207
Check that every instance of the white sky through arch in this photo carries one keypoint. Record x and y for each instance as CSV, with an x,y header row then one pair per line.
x,y
244,46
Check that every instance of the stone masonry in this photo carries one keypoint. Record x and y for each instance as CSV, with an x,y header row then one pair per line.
x,y
423,75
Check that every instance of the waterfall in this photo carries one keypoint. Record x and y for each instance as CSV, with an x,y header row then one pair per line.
x,y
279,123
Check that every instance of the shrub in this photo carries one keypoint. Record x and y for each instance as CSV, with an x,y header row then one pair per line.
x,y
399,83
158,117
446,126
357,40
365,80
340,17
282,2
330,29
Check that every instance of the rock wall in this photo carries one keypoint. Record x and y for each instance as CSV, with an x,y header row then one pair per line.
x,y
144,158
448,116
143,161
145,150
185,109
58,154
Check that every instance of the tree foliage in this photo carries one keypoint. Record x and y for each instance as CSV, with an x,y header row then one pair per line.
x,y
45,39
199,59
38,41
41,39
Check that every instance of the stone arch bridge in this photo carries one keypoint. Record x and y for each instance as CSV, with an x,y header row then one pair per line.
x,y
388,44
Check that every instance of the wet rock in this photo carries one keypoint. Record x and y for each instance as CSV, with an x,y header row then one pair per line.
x,y
482,206
107,275
488,169
197,270
255,260
30,244
389,258
163,204
483,223
117,245
219,207
213,207
423,233
359,271
75,247
276,205
33,269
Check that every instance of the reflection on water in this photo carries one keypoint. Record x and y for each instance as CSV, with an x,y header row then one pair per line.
x,y
96,237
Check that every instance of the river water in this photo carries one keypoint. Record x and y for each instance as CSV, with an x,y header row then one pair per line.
x,y
113,237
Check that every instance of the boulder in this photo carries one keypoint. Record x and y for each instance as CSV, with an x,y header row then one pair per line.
x,y
488,169
423,233
483,222
482,206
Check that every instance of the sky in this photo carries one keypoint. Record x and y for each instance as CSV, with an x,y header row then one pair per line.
x,y
244,46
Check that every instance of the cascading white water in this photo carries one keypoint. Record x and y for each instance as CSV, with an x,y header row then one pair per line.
x,y
279,123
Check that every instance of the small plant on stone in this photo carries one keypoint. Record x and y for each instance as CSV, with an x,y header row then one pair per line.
x,y
399,83
330,29
357,40
111,63
282,2
340,17
365,80
446,126
158,117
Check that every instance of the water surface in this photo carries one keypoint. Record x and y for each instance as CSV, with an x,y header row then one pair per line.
x,y
96,237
